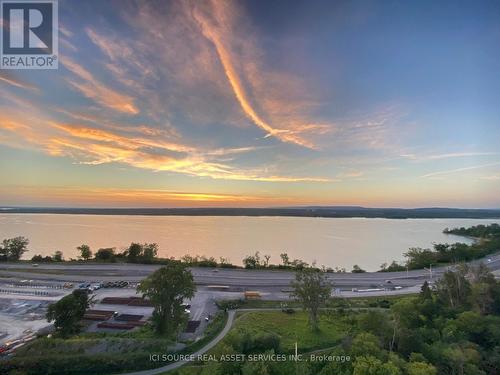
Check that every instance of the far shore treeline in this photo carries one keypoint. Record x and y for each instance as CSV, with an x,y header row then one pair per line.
x,y
487,242
307,211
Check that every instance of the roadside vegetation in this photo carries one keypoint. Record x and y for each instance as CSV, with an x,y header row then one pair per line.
x,y
452,329
68,312
166,289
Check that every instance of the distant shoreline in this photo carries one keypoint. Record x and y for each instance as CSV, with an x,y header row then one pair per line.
x,y
324,212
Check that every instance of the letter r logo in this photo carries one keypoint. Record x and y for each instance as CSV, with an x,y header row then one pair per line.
x,y
28,27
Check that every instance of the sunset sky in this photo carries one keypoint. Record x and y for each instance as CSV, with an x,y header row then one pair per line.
x,y
259,103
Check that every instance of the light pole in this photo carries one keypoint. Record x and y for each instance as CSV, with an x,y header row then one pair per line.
x,y
430,271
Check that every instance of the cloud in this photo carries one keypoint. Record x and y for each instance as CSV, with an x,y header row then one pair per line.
x,y
90,87
447,155
253,86
94,146
16,82
446,172
490,178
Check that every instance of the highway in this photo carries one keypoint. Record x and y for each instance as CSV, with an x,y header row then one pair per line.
x,y
233,278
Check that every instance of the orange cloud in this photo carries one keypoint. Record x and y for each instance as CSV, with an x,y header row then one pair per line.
x,y
270,91
90,87
95,146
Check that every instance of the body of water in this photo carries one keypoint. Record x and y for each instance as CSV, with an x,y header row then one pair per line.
x,y
332,242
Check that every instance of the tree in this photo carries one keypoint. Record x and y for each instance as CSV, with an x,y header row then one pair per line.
x,y
12,249
369,365
252,261
150,250
266,260
58,256
85,252
311,288
167,288
365,344
67,312
106,254
425,291
357,269
285,259
453,288
134,252
420,368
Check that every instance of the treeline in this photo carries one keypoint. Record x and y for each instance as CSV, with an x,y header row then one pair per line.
x,y
491,231
12,249
136,253
417,258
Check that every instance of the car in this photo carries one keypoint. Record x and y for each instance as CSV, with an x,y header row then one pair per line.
x,y
34,265
187,311
490,260
388,281
215,270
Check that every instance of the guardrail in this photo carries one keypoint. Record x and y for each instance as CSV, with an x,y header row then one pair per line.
x,y
25,292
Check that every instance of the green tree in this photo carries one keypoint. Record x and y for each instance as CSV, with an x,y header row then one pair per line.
x,y
369,365
252,261
134,252
357,269
167,288
12,249
107,254
420,368
58,256
312,290
150,251
453,288
366,344
425,291
285,259
85,252
67,312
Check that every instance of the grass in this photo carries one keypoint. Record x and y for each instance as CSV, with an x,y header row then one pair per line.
x,y
360,302
334,326
291,328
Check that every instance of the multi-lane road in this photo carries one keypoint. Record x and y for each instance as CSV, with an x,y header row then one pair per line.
x,y
233,278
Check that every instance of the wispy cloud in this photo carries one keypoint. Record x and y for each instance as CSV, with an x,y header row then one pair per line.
x,y
447,155
16,82
93,89
457,170
491,178
253,86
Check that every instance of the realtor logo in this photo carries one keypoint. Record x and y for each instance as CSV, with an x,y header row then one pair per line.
x,y
29,34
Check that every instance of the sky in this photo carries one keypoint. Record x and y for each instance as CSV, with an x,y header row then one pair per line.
x,y
259,104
